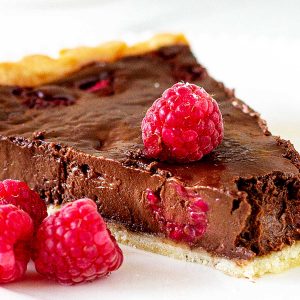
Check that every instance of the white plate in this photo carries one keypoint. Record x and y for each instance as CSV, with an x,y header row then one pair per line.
x,y
149,276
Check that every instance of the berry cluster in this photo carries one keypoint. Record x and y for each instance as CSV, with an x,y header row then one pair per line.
x,y
44,97
71,246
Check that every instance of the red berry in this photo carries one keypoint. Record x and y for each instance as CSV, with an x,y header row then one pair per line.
x,y
19,194
190,231
16,231
183,125
99,85
73,245
44,97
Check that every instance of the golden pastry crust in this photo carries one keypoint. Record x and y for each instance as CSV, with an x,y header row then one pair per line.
x,y
274,262
39,69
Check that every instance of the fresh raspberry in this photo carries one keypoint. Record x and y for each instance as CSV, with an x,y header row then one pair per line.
x,y
183,125
16,231
196,210
19,194
73,245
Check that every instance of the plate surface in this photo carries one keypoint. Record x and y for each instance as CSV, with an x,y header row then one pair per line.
x,y
151,276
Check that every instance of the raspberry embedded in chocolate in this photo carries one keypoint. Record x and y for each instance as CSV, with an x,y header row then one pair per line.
x,y
187,71
44,97
196,210
101,83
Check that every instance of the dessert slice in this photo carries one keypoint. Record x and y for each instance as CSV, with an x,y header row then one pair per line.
x,y
71,128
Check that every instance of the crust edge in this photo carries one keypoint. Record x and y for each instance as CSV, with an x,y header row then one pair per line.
x,y
275,262
40,69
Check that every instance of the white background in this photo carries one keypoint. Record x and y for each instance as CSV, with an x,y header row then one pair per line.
x,y
253,46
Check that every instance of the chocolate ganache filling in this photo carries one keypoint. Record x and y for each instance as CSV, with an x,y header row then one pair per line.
x,y
80,137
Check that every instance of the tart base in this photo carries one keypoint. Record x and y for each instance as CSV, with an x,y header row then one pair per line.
x,y
274,262
35,70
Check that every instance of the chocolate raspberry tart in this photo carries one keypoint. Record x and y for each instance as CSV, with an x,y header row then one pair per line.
x,y
71,128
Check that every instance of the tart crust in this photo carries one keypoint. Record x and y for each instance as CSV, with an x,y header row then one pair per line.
x,y
39,69
274,262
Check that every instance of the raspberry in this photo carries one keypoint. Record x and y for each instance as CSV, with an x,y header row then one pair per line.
x,y
188,232
99,85
102,84
19,194
16,231
73,245
44,97
183,125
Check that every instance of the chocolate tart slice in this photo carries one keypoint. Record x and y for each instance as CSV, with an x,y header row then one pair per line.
x,y
70,128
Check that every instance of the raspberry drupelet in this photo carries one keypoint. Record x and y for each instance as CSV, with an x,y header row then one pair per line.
x,y
183,125
73,245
